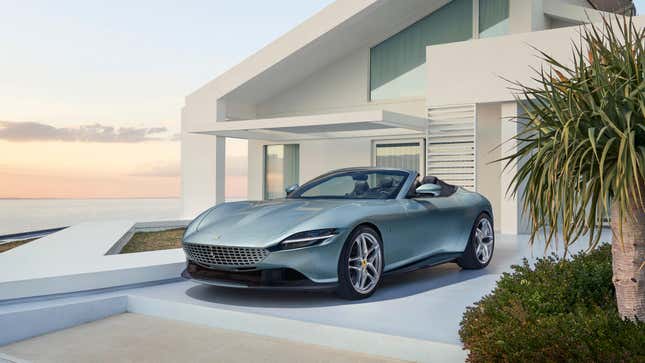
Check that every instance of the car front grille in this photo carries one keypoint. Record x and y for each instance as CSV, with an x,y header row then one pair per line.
x,y
224,256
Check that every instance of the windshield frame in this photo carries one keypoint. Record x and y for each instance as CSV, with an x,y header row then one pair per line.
x,y
402,188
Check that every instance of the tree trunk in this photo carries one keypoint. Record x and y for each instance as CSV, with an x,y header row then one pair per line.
x,y
627,260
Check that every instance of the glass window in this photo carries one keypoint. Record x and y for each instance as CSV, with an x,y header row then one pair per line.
x,y
397,65
493,18
367,184
281,169
404,155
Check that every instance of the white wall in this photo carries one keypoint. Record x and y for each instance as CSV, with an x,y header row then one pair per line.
x,y
202,159
488,140
526,16
511,217
479,65
342,86
474,71
317,157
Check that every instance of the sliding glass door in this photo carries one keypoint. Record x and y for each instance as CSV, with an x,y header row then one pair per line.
x,y
281,169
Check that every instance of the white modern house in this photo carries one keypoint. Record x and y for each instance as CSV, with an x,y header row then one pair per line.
x,y
394,83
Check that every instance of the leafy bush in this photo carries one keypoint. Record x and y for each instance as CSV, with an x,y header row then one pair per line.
x,y
557,311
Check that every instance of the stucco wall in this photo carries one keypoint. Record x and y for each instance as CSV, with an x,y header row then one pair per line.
x,y
202,160
488,139
340,87
341,84
475,71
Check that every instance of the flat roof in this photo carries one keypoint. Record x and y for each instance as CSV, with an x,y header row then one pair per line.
x,y
313,127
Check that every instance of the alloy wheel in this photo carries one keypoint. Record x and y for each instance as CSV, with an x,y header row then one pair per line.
x,y
484,239
365,263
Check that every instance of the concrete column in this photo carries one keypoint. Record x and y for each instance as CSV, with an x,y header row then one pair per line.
x,y
220,169
203,158
511,220
526,16
255,174
488,136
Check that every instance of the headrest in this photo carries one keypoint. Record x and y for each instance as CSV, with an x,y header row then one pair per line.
x,y
386,182
361,186
429,180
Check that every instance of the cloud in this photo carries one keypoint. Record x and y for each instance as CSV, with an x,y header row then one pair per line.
x,y
35,131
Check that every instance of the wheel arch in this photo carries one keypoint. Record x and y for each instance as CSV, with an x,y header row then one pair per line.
x,y
371,225
374,227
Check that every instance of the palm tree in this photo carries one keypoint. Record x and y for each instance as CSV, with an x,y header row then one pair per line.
x,y
581,154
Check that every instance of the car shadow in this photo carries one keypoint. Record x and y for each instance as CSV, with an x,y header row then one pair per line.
x,y
392,287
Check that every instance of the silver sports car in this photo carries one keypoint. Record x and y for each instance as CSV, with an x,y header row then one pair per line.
x,y
343,230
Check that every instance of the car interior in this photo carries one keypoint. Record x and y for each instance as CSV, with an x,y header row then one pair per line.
x,y
384,187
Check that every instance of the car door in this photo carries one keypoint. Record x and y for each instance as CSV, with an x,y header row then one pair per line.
x,y
436,224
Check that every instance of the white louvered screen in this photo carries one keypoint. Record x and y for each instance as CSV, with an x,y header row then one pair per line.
x,y
451,145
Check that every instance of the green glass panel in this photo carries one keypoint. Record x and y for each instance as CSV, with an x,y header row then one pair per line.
x,y
493,18
397,65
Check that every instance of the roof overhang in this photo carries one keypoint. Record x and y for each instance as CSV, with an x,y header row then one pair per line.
x,y
341,28
377,123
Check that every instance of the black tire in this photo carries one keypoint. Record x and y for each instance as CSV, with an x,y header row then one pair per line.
x,y
345,287
470,260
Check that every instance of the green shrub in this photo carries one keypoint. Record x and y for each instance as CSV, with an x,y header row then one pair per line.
x,y
557,311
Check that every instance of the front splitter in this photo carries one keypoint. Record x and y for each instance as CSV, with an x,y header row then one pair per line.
x,y
297,286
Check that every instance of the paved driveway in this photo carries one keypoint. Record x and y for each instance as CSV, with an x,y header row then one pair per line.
x,y
427,304
140,338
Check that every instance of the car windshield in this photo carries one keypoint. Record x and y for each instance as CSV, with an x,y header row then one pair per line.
x,y
358,184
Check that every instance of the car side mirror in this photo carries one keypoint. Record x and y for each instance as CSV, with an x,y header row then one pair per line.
x,y
429,189
291,188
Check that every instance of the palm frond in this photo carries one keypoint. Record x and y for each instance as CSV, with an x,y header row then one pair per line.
x,y
581,147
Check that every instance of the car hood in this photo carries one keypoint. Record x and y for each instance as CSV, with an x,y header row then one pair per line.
x,y
265,223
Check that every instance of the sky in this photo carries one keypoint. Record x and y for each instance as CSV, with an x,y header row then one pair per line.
x,y
90,91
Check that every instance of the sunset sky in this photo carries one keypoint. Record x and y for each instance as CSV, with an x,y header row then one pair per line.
x,y
90,91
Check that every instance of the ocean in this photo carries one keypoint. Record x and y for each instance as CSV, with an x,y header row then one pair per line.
x,y
24,215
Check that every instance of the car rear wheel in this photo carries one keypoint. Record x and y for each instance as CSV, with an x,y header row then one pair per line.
x,y
481,244
360,266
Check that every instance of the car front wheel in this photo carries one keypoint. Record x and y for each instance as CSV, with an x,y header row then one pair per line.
x,y
360,266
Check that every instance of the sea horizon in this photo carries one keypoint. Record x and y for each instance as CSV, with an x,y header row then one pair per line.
x,y
19,215
88,198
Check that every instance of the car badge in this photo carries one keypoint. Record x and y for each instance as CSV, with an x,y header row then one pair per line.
x,y
217,237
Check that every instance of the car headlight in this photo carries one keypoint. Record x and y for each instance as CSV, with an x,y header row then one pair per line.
x,y
308,238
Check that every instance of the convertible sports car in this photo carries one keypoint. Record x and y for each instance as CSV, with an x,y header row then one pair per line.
x,y
342,230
